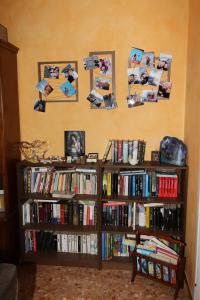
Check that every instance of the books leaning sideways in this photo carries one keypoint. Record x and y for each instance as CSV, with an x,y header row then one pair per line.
x,y
158,250
121,151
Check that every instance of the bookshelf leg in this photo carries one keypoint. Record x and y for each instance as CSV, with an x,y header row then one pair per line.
x,y
134,270
176,292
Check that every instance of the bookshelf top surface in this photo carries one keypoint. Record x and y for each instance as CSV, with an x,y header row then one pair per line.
x,y
146,164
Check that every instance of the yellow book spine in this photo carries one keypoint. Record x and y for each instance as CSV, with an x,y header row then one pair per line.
x,y
147,217
108,184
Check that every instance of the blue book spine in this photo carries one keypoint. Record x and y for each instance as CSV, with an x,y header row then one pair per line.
x,y
147,185
103,245
133,186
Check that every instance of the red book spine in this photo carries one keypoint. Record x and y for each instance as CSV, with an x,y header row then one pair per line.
x,y
62,214
176,187
88,216
160,187
120,151
34,241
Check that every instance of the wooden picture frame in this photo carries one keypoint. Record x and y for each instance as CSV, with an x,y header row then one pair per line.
x,y
65,79
74,144
98,73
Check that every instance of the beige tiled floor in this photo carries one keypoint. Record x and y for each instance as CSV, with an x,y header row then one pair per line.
x,y
66,283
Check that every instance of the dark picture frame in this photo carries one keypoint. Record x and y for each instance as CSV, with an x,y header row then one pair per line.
x,y
74,144
58,83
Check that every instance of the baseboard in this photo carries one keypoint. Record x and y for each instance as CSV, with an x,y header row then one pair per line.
x,y
189,291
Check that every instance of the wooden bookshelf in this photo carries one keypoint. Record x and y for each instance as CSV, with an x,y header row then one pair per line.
x,y
76,259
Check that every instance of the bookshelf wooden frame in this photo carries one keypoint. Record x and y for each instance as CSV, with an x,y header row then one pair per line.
x,y
117,262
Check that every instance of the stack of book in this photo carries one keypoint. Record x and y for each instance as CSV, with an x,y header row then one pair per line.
x,y
123,150
140,183
37,241
49,211
47,180
159,250
114,245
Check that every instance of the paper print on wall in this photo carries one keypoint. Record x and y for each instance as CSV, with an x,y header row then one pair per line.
x,y
102,79
136,55
148,77
39,105
60,80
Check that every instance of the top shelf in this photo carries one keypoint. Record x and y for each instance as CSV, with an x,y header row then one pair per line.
x,y
109,164
145,165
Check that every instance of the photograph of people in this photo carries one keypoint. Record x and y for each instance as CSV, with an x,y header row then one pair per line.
x,y
105,66
164,62
39,105
135,55
44,87
148,59
164,89
133,76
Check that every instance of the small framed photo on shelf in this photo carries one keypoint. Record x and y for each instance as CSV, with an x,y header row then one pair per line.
x,y
155,156
92,157
74,144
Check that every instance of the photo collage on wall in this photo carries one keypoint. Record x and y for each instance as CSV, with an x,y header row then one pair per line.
x,y
58,82
148,77
102,79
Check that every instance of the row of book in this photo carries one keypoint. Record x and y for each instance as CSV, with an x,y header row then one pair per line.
x,y
49,211
114,244
38,241
140,183
158,216
123,150
47,180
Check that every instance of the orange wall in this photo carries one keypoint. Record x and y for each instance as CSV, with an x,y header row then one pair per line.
x,y
192,137
48,30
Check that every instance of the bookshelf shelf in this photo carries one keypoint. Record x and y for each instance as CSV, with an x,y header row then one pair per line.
x,y
69,259
144,200
109,210
60,227
117,229
49,197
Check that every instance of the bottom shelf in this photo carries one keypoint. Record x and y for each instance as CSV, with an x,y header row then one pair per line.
x,y
118,263
62,259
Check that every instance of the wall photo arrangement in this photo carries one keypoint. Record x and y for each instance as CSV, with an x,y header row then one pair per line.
x,y
102,79
58,81
74,142
148,77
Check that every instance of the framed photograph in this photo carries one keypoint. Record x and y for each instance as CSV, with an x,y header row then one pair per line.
x,y
74,144
102,79
155,156
92,157
58,81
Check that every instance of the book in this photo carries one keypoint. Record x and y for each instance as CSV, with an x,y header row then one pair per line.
x,y
108,147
